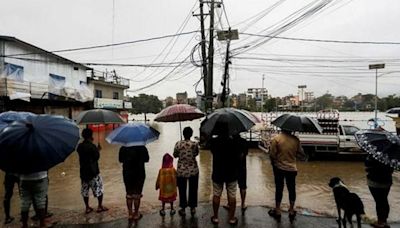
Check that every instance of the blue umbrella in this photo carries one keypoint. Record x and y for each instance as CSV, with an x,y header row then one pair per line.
x,y
37,143
8,117
133,134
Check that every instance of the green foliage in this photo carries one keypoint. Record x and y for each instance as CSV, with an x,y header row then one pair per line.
x,y
146,104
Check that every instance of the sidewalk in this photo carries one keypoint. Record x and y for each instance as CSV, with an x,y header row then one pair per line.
x,y
256,216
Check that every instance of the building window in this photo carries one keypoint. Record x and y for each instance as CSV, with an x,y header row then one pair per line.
x,y
98,93
13,71
115,95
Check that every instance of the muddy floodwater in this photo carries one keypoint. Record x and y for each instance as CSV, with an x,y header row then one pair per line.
x,y
313,191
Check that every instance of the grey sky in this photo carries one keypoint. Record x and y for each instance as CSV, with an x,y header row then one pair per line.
x,y
62,24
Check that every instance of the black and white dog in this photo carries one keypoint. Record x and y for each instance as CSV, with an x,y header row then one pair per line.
x,y
347,201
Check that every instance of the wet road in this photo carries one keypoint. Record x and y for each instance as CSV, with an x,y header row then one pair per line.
x,y
312,188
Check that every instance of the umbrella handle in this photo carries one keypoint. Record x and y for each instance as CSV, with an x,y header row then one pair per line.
x,y
180,129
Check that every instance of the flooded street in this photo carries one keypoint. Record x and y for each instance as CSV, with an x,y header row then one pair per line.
x,y
312,188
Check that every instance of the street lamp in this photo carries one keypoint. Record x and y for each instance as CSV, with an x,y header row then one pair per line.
x,y
376,67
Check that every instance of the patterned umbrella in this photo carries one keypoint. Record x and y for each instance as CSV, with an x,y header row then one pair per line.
x,y
382,145
178,112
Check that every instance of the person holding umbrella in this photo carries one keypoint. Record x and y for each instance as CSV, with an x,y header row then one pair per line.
x,y
226,163
383,153
89,171
188,171
284,150
133,159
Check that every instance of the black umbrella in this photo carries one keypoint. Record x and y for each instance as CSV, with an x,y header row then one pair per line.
x,y
297,123
382,145
98,116
236,120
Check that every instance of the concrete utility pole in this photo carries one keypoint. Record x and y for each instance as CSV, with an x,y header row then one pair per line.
x,y
203,46
209,91
226,75
262,95
376,67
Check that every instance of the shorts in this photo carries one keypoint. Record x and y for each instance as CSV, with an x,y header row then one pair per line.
x,y
96,184
133,185
230,188
33,191
242,179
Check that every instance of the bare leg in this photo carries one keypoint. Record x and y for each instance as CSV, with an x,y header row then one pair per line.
x,y
136,204
216,201
243,197
232,208
86,200
129,202
42,215
24,219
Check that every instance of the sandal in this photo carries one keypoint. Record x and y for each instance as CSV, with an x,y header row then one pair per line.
x,y
275,215
9,220
192,211
172,212
376,225
292,216
162,212
101,209
182,212
226,207
137,217
88,210
233,222
244,209
214,220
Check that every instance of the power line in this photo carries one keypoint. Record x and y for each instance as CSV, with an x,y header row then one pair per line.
x,y
325,41
107,45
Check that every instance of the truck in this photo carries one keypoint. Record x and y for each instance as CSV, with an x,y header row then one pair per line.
x,y
335,138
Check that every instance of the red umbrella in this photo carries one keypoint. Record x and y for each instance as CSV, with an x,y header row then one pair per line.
x,y
179,112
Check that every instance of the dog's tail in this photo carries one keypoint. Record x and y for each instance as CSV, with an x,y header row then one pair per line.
x,y
367,219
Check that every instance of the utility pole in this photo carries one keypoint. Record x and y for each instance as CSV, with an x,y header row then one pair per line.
x,y
203,47
226,73
376,67
209,90
262,95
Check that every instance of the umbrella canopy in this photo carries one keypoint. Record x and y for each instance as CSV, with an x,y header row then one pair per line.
x,y
297,123
394,110
98,116
11,116
382,145
250,115
179,112
236,120
37,143
133,134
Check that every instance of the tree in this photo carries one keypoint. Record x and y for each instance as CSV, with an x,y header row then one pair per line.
x,y
325,101
146,104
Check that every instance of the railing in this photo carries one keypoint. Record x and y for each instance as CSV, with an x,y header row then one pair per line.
x,y
108,77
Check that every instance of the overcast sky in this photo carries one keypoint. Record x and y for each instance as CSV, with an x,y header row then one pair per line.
x,y
341,69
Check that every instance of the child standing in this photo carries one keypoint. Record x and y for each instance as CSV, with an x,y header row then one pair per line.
x,y
166,182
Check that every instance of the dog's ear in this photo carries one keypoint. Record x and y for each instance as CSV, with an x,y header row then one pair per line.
x,y
334,181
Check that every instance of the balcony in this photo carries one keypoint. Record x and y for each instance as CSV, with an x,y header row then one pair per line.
x,y
10,88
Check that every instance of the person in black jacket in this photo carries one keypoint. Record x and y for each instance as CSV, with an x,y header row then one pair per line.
x,y
226,163
379,179
133,171
89,171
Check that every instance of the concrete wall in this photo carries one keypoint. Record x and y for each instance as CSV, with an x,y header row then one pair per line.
x,y
107,91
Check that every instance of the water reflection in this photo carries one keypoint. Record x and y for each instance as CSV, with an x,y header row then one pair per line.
x,y
313,191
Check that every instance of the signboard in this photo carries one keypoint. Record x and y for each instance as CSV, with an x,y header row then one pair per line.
x,y
228,35
108,103
376,66
127,105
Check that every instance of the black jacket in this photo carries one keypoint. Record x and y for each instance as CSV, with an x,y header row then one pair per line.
x,y
378,172
88,159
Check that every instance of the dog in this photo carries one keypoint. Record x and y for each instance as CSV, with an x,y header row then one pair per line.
x,y
347,201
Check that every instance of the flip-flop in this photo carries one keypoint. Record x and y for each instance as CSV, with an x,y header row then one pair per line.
x,y
9,220
233,221
226,207
214,220
101,209
244,209
275,215
88,210
138,217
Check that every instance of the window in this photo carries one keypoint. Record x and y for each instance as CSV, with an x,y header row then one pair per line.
x,y
115,95
350,130
13,71
98,93
56,84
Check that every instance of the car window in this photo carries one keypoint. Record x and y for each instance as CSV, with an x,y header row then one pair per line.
x,y
350,130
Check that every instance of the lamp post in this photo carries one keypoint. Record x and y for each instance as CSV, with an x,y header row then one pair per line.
x,y
376,67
